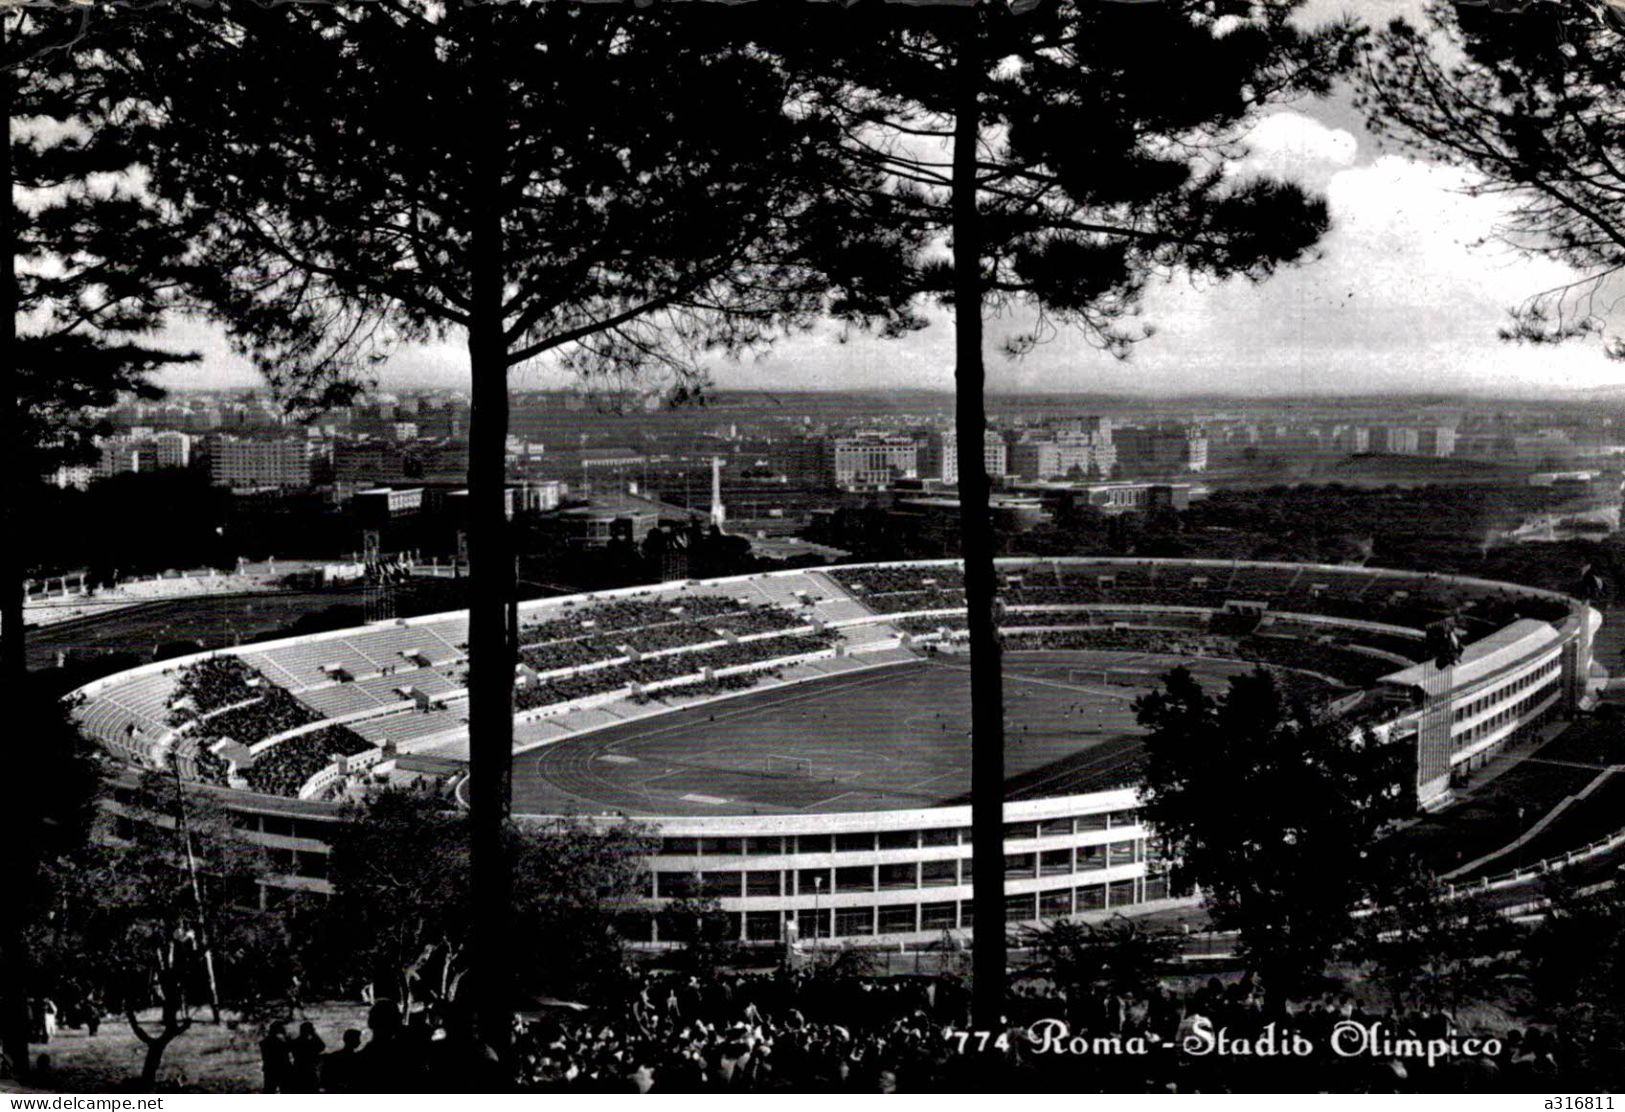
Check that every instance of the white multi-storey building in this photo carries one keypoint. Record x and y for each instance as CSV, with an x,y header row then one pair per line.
x,y
256,464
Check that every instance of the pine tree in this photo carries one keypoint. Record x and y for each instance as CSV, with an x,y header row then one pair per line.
x,y
90,269
1527,99
1069,153
615,189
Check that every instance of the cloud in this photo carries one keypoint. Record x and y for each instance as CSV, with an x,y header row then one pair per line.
x,y
1404,296
1298,148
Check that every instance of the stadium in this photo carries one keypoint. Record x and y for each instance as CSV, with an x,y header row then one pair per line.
x,y
800,738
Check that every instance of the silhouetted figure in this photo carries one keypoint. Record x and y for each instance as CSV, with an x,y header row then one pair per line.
x,y
276,1057
341,1070
388,1062
305,1054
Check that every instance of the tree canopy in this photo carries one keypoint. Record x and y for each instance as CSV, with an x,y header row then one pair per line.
x,y
400,918
1272,807
1527,99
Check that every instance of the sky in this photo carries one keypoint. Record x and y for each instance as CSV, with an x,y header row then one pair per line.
x,y
1401,299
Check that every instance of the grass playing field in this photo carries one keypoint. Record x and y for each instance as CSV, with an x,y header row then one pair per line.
x,y
891,738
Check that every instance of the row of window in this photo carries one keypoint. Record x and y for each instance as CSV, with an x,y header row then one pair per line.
x,y
290,862
1496,721
860,922
286,862
1522,683
866,842
254,823
730,884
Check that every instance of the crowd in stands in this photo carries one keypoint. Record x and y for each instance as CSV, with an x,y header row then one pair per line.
x,y
210,684
1348,665
756,619
716,685
602,631
599,681
1343,664
273,712
210,768
285,767
1413,604
898,590
629,614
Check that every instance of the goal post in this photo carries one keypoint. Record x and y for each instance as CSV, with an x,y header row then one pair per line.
x,y
788,766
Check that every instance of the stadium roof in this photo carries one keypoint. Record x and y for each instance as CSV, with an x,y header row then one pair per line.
x,y
1482,658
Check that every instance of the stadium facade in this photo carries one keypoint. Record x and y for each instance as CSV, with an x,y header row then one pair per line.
x,y
281,731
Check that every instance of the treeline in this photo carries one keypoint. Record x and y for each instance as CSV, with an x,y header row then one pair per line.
x,y
1440,529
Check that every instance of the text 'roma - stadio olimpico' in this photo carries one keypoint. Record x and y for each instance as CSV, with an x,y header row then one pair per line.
x,y
800,738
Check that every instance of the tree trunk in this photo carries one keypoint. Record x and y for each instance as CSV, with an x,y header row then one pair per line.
x,y
13,663
491,580
173,1027
154,1058
976,546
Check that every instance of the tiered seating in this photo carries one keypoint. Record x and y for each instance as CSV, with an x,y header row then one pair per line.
x,y
1329,660
209,768
598,681
408,725
760,619
128,734
856,636
892,590
286,766
342,699
272,713
388,645
147,697
716,685
208,685
1045,592
603,631
782,589
303,664
1257,583
452,633
385,690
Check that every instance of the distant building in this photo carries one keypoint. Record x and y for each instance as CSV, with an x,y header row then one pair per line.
x,y
1010,513
1437,441
540,495
174,449
1165,448
384,503
942,456
361,464
117,455
1082,455
1396,441
260,464
612,516
442,461
868,462
1115,498
801,461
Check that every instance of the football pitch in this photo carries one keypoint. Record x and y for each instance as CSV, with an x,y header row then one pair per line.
x,y
896,737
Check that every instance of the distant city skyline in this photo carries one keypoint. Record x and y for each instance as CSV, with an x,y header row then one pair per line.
x,y
1400,301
